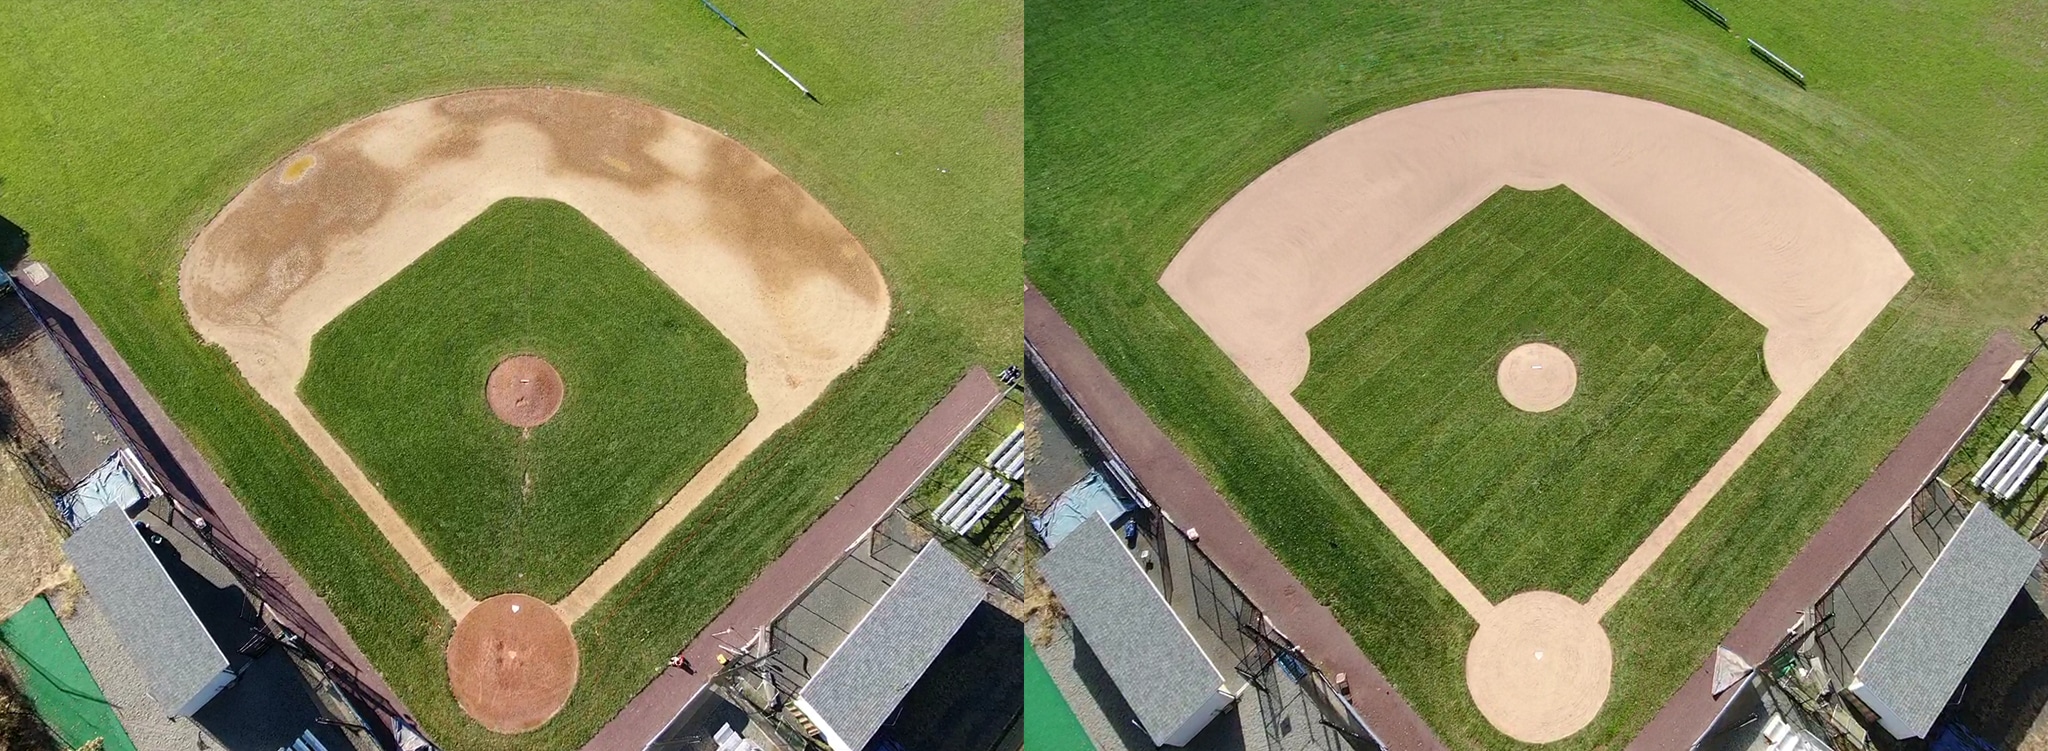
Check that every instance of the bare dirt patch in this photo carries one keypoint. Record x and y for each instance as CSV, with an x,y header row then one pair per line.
x,y
524,391
1537,377
512,663
745,246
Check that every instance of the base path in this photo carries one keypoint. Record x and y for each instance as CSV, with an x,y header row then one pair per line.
x,y
512,663
288,601
1179,488
1830,552
741,243
807,559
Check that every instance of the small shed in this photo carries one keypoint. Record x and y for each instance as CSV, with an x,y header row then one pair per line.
x,y
860,685
1164,675
178,658
1924,652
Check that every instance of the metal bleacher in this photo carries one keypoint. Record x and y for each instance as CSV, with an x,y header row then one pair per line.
x,y
2019,457
305,742
985,487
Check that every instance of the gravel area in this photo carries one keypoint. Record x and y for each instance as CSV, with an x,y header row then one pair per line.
x,y
123,682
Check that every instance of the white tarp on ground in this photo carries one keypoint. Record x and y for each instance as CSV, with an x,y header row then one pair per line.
x,y
122,482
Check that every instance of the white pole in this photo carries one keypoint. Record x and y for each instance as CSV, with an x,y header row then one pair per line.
x,y
785,74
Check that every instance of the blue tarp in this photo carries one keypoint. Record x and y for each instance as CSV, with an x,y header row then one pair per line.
x,y
121,482
1077,504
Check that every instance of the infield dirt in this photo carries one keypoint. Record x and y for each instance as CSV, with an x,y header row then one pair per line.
x,y
745,246
512,663
1755,226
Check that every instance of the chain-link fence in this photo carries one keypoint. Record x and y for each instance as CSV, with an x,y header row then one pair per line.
x,y
1857,609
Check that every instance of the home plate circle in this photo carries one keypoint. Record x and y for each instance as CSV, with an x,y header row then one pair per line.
x,y
512,663
1540,666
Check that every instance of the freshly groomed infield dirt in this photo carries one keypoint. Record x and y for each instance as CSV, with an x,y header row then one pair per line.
x,y
512,663
524,391
771,269
1537,377
1753,225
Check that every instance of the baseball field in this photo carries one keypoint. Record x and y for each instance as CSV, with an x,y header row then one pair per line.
x,y
1156,133
664,449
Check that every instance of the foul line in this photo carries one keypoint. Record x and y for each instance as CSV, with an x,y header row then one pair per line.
x,y
1384,507
644,541
1709,485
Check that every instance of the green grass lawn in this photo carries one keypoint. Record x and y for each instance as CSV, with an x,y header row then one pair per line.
x,y
126,126
1144,118
1403,376
651,392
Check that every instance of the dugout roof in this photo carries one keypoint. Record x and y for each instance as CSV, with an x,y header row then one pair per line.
x,y
859,686
1148,652
1924,653
177,656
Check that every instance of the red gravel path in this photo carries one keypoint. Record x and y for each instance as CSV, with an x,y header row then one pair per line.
x,y
192,482
1177,486
1828,555
807,559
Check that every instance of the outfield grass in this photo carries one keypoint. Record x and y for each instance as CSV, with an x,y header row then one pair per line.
x,y
1144,118
1403,376
127,126
651,392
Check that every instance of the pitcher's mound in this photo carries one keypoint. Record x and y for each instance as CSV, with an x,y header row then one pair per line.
x,y
512,663
1540,666
524,390
1537,377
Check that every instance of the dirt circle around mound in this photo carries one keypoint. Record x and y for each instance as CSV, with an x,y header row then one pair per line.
x,y
512,663
1540,666
525,391
1537,377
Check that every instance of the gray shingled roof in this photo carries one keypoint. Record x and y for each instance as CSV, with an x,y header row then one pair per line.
x,y
155,625
857,688
1916,665
1150,655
